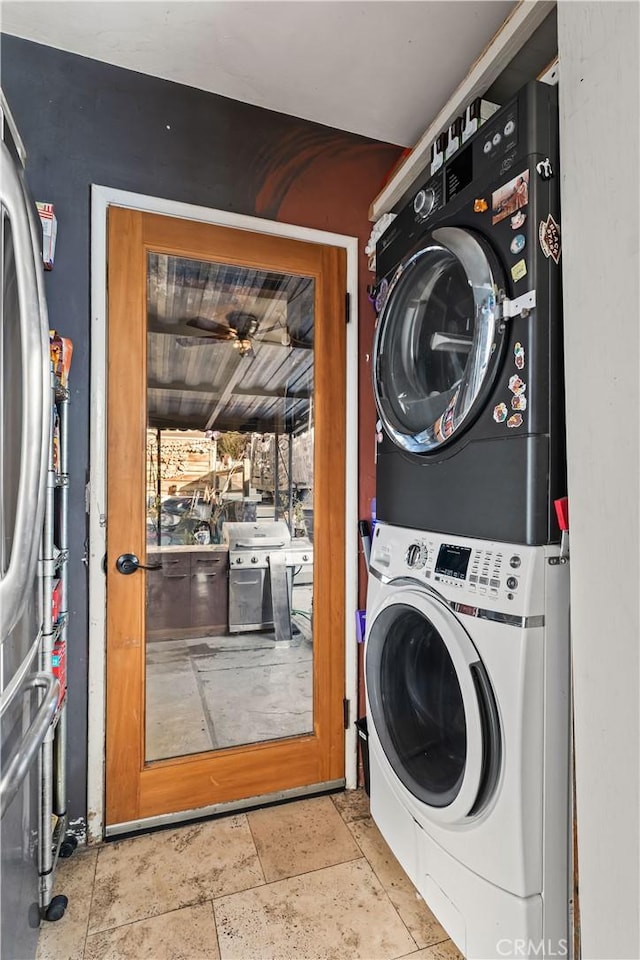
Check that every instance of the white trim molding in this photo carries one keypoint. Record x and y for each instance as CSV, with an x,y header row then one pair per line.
x,y
101,199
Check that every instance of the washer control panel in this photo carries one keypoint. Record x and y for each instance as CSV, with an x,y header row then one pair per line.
x,y
501,577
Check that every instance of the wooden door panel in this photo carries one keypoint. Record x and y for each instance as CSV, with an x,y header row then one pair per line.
x,y
136,789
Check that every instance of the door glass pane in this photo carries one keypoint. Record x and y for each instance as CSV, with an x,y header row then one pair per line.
x,y
437,334
229,506
421,717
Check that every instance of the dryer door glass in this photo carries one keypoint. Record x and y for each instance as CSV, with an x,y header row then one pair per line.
x,y
438,340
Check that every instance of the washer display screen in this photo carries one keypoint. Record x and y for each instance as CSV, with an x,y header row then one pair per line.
x,y
453,561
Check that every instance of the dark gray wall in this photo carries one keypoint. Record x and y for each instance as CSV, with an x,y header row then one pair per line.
x,y
86,122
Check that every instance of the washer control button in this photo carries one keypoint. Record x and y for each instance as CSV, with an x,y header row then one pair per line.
x,y
512,583
509,128
415,556
487,146
515,562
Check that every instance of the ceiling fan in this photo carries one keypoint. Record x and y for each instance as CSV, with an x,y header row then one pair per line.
x,y
241,328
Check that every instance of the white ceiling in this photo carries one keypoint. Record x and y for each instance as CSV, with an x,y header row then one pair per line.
x,y
381,68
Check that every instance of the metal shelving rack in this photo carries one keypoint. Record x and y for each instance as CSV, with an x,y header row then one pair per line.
x,y
54,841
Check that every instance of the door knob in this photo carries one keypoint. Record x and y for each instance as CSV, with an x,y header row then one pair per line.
x,y
128,563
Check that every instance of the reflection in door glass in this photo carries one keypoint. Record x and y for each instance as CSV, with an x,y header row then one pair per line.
x,y
229,506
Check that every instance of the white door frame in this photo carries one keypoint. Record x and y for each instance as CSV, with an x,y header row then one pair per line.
x,y
101,199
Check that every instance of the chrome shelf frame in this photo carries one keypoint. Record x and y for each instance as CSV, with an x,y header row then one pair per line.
x,y
53,565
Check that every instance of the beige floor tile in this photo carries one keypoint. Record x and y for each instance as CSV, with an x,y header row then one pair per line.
x,y
420,921
64,939
339,913
446,950
298,837
186,934
352,805
150,875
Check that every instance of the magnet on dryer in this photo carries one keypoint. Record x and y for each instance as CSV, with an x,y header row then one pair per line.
x,y
500,412
516,385
509,198
519,270
549,236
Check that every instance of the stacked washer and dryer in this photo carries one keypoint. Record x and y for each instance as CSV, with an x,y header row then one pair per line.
x,y
467,646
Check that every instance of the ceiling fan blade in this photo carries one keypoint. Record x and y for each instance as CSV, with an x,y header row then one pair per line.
x,y
222,330
200,341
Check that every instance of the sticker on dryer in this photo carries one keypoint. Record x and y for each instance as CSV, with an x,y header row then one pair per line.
x,y
511,197
517,220
519,270
549,236
519,402
480,205
517,385
381,296
518,243
500,412
515,420
545,169
518,355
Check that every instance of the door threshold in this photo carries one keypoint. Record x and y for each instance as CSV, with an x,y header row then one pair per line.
x,y
219,809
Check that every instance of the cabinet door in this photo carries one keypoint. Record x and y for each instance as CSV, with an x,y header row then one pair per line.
x,y
168,592
209,591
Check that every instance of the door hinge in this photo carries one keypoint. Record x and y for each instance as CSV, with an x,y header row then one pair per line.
x,y
346,713
347,307
520,307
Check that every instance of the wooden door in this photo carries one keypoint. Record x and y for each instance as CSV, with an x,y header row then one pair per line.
x,y
138,787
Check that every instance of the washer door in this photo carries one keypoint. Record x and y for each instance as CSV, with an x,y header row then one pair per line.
x,y
438,342
432,706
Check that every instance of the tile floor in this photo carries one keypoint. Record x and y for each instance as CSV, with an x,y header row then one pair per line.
x,y
308,880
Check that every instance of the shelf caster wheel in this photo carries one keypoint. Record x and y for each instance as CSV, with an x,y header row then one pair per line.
x,y
67,846
55,910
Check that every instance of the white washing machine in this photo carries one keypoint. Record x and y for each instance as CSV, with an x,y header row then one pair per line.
x,y
467,673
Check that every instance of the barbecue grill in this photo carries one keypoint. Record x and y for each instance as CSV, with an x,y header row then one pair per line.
x,y
263,560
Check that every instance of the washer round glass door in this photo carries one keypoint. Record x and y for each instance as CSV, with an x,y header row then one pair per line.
x,y
438,341
431,705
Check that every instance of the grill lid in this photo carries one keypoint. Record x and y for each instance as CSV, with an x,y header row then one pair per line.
x,y
266,535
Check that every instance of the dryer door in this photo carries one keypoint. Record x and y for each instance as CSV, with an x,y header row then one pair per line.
x,y
439,340
432,706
